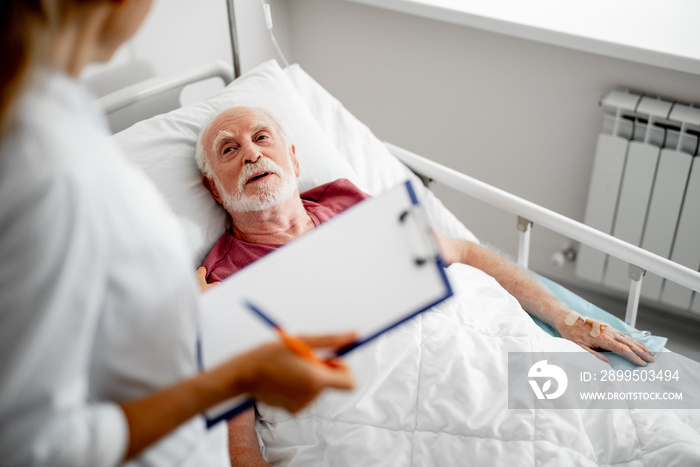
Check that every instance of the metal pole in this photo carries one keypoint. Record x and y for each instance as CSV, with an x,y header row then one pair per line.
x,y
234,41
635,274
524,230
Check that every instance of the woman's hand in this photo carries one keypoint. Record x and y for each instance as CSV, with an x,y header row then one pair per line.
x,y
270,373
275,375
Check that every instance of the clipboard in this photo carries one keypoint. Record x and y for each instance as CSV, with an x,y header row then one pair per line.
x,y
369,269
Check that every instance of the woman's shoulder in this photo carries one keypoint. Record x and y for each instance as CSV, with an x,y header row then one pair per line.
x,y
55,127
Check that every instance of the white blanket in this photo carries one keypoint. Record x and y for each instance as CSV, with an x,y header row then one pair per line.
x,y
433,392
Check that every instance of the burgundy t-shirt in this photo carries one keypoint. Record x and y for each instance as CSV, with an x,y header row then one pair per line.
x,y
321,203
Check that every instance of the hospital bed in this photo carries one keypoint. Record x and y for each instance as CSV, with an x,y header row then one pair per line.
x,y
429,392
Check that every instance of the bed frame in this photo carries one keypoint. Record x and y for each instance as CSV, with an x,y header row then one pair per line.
x,y
161,94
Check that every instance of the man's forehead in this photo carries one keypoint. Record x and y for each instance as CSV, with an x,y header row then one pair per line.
x,y
242,118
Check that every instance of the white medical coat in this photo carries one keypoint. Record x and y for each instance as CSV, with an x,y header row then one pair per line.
x,y
97,300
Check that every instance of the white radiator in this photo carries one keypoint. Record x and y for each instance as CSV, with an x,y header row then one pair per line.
x,y
645,189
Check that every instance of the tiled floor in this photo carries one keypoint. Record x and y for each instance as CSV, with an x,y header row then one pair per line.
x,y
683,333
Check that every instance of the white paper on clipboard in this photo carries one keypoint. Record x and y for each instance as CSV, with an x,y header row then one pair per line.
x,y
368,269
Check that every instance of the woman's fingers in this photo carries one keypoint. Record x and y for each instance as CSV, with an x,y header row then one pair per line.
x,y
278,375
334,341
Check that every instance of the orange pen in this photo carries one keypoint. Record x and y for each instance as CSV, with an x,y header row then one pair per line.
x,y
294,344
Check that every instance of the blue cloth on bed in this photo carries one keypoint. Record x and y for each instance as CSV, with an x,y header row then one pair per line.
x,y
586,308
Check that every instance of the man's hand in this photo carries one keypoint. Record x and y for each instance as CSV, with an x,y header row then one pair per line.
x,y
580,333
201,277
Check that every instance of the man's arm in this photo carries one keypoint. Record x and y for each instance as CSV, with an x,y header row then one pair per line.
x,y
243,441
537,300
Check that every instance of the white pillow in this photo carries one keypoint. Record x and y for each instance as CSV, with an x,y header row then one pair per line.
x,y
163,146
377,168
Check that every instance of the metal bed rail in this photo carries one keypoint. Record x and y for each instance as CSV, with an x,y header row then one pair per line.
x,y
157,95
639,260
159,85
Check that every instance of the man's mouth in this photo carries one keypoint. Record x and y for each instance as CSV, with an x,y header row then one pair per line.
x,y
258,176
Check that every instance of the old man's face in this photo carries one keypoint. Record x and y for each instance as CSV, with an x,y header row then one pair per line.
x,y
255,167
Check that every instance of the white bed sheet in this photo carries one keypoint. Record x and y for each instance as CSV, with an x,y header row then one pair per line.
x,y
433,392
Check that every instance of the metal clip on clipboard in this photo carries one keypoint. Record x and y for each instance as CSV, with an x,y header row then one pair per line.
x,y
432,252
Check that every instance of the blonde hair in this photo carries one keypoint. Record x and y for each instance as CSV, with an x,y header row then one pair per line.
x,y
25,29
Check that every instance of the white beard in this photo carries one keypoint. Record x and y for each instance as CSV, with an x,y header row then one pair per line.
x,y
269,194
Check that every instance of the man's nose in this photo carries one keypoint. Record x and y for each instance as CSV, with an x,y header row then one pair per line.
x,y
252,156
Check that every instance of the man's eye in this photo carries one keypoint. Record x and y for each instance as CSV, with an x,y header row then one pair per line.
x,y
227,150
260,137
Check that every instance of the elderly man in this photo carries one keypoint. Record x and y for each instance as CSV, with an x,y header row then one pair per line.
x,y
250,168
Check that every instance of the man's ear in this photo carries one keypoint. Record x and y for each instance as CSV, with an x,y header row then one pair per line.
x,y
295,161
211,188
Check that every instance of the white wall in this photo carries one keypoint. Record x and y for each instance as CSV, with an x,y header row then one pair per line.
x,y
175,35
180,34
518,114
